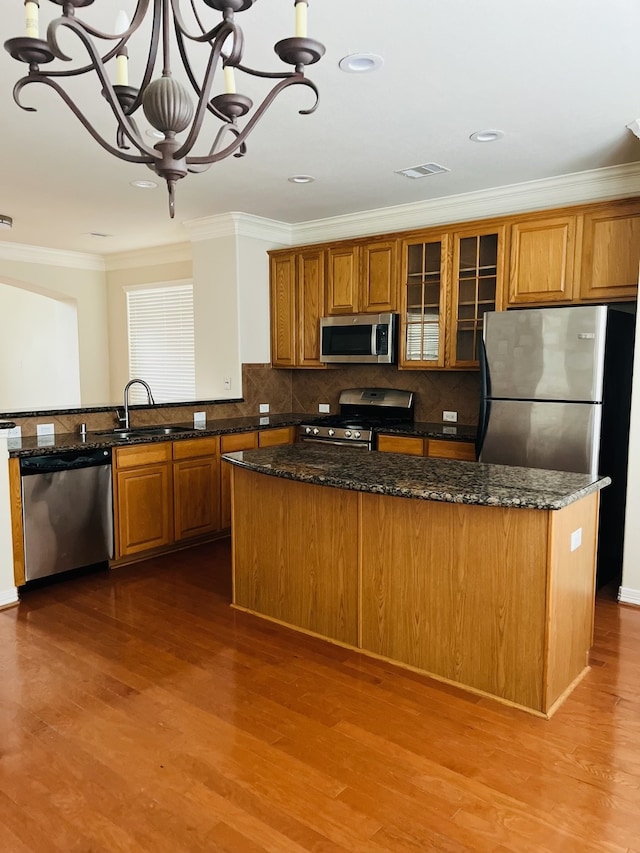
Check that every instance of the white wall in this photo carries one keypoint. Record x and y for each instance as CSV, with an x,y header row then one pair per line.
x,y
253,296
39,351
85,287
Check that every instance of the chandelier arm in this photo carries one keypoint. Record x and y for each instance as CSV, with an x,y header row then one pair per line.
x,y
107,90
148,157
76,24
203,96
187,65
241,135
205,35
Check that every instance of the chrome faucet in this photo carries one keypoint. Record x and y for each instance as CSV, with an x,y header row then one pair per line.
x,y
150,401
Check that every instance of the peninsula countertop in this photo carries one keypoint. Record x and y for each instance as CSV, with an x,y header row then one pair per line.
x,y
428,479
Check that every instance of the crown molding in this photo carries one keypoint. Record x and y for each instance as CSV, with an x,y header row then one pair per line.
x,y
237,224
149,257
595,185
27,254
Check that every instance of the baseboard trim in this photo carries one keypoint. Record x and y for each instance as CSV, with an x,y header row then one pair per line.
x,y
626,595
8,597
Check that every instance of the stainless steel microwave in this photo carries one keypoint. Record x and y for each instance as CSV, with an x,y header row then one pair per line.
x,y
358,339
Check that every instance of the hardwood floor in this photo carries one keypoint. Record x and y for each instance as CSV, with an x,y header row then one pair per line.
x,y
139,713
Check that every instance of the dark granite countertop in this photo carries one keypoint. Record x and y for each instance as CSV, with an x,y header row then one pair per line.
x,y
7,424
422,478
34,446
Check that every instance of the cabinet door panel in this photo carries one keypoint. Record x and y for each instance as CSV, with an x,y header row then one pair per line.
x,y
425,276
277,436
379,286
542,260
611,254
310,307
342,280
283,308
144,509
444,449
411,445
196,497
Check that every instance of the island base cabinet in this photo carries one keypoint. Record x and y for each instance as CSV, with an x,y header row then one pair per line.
x,y
487,597
298,553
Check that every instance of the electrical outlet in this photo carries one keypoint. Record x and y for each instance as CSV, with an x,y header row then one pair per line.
x,y
46,434
199,419
325,408
227,383
264,407
450,416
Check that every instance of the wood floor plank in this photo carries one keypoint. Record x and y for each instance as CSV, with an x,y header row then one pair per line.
x,y
139,712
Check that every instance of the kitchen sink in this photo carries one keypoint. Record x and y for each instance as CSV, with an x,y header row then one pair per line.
x,y
137,432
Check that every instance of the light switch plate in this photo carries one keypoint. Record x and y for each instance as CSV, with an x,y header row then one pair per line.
x,y
199,419
450,416
325,408
264,407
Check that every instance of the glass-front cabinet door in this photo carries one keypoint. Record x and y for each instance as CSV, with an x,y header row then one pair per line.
x,y
478,264
423,301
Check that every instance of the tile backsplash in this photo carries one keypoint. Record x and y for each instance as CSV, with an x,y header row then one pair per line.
x,y
297,391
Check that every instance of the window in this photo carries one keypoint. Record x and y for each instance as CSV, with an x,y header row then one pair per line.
x,y
161,342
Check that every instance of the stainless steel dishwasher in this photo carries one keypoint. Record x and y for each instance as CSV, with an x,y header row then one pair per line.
x,y
67,511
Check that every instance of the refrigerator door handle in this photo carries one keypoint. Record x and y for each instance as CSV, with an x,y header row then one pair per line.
x,y
485,392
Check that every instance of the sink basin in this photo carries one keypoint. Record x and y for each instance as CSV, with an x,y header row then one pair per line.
x,y
136,432
159,430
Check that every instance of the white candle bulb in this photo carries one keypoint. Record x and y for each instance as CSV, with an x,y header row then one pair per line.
x,y
229,80
31,19
122,59
301,18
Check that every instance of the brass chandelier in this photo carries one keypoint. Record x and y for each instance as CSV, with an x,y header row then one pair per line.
x,y
167,104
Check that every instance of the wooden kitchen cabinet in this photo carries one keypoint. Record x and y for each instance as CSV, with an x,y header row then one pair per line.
x,y
196,487
143,503
477,287
543,260
297,284
362,277
434,447
610,252
423,300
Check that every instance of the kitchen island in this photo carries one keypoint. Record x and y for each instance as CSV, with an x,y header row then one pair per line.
x,y
478,575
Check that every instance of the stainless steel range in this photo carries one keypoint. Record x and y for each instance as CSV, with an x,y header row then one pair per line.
x,y
362,411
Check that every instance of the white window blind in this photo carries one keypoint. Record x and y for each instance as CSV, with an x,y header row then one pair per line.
x,y
161,342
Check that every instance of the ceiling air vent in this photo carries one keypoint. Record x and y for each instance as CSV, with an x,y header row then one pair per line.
x,y
422,171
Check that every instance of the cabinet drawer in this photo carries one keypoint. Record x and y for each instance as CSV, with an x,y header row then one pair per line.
x,y
192,448
238,441
411,445
272,437
443,449
143,454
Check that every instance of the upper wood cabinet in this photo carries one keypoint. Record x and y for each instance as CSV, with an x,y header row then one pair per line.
x,y
362,277
477,287
610,252
297,283
542,260
450,280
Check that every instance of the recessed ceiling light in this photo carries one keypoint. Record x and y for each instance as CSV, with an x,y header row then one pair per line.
x,y
486,135
144,185
97,234
5,221
422,171
301,179
361,63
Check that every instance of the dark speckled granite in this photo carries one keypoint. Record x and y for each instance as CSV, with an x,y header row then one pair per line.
x,y
32,446
7,424
422,478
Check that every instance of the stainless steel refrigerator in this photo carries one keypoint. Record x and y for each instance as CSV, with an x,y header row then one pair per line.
x,y
555,394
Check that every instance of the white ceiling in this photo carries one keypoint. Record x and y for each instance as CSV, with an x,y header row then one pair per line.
x,y
561,79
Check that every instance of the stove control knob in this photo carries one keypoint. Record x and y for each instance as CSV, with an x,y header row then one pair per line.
x,y
347,433
356,434
316,431
307,430
332,432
